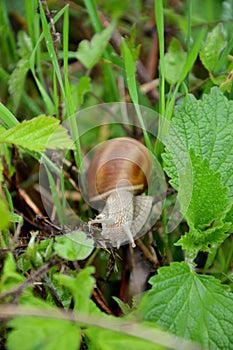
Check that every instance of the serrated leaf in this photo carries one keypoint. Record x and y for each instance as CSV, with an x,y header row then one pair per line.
x,y
204,240
89,52
206,127
38,134
192,306
212,47
205,204
102,339
174,61
42,333
74,246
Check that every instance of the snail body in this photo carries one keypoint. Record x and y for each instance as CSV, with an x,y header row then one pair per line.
x,y
118,173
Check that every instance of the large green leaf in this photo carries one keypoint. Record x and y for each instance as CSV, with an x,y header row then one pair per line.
x,y
206,127
189,305
38,134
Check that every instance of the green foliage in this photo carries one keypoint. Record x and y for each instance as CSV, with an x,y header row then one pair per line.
x,y
54,287
48,334
74,246
37,134
193,306
212,47
174,61
89,53
201,134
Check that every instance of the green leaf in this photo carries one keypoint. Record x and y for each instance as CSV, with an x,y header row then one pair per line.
x,y
192,306
103,339
212,48
7,117
9,277
42,333
38,134
89,52
81,287
206,127
207,208
74,246
205,205
174,61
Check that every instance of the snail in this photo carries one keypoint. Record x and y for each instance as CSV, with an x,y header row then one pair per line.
x,y
118,174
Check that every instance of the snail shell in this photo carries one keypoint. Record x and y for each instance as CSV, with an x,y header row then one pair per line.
x,y
118,172
120,162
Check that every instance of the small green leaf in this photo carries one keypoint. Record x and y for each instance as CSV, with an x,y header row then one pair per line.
x,y
125,308
10,277
192,306
43,333
38,134
81,287
74,246
174,61
89,52
212,48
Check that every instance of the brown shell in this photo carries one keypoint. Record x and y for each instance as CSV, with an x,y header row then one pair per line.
x,y
119,162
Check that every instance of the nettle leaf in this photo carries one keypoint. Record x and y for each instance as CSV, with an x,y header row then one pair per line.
x,y
74,246
206,127
43,333
207,208
38,134
196,307
205,205
174,61
89,52
212,48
